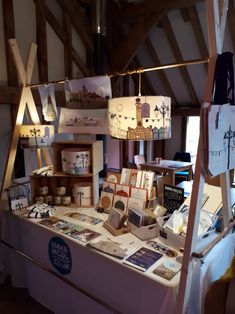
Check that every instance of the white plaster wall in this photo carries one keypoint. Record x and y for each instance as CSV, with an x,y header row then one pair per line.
x,y
174,143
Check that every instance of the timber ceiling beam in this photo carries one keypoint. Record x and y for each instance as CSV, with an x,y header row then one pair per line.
x,y
231,22
79,21
41,39
179,58
10,96
61,33
68,65
162,74
198,33
133,11
128,45
9,32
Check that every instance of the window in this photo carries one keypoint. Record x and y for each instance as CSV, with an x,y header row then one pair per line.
x,y
192,136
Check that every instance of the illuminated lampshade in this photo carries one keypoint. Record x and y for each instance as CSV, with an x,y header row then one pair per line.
x,y
140,118
36,135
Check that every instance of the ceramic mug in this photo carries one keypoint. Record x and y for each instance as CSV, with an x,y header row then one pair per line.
x,y
61,190
39,199
57,199
43,190
48,198
66,200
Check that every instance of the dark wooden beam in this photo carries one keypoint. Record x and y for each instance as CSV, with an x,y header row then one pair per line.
x,y
10,96
198,33
41,38
185,111
80,63
55,25
79,21
68,66
132,11
185,15
161,73
128,45
9,32
179,58
231,22
58,29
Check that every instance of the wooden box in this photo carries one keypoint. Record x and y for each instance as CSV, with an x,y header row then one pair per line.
x,y
60,178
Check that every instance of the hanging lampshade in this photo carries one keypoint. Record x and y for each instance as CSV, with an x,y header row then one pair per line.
x,y
36,135
140,117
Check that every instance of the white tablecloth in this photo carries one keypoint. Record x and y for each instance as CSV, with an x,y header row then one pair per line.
x,y
126,289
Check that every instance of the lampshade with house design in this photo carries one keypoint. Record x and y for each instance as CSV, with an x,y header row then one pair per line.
x,y
36,135
140,117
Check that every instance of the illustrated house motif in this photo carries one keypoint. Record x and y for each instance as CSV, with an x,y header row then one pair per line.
x,y
139,133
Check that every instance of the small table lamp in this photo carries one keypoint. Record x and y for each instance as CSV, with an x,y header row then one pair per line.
x,y
37,136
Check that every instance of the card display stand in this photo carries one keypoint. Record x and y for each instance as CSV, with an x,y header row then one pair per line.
x,y
60,178
175,240
116,232
144,232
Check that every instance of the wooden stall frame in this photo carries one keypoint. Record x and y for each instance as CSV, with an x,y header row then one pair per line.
x,y
216,11
26,98
216,15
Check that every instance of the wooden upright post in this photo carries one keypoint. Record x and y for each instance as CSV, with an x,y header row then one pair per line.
x,y
216,19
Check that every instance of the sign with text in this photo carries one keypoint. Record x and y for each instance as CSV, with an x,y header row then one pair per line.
x,y
173,198
60,256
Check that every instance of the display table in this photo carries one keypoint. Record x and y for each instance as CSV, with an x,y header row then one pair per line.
x,y
169,166
124,288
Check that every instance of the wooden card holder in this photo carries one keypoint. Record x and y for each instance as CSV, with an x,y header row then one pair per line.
x,y
116,232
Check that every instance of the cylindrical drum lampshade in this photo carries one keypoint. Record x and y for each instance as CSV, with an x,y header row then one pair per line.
x,y
76,161
140,118
36,135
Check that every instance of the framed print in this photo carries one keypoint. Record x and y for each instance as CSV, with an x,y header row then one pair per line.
x,y
147,181
135,178
106,201
109,187
122,190
120,202
88,91
113,177
136,203
125,176
139,193
79,121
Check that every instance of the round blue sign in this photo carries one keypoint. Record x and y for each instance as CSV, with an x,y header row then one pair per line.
x,y
60,256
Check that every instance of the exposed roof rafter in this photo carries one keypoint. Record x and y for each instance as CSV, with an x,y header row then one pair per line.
x,y
162,74
179,58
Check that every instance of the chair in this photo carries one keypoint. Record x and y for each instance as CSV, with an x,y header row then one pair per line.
x,y
138,160
182,175
131,165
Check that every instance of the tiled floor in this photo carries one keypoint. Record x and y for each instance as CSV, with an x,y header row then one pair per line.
x,y
18,301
